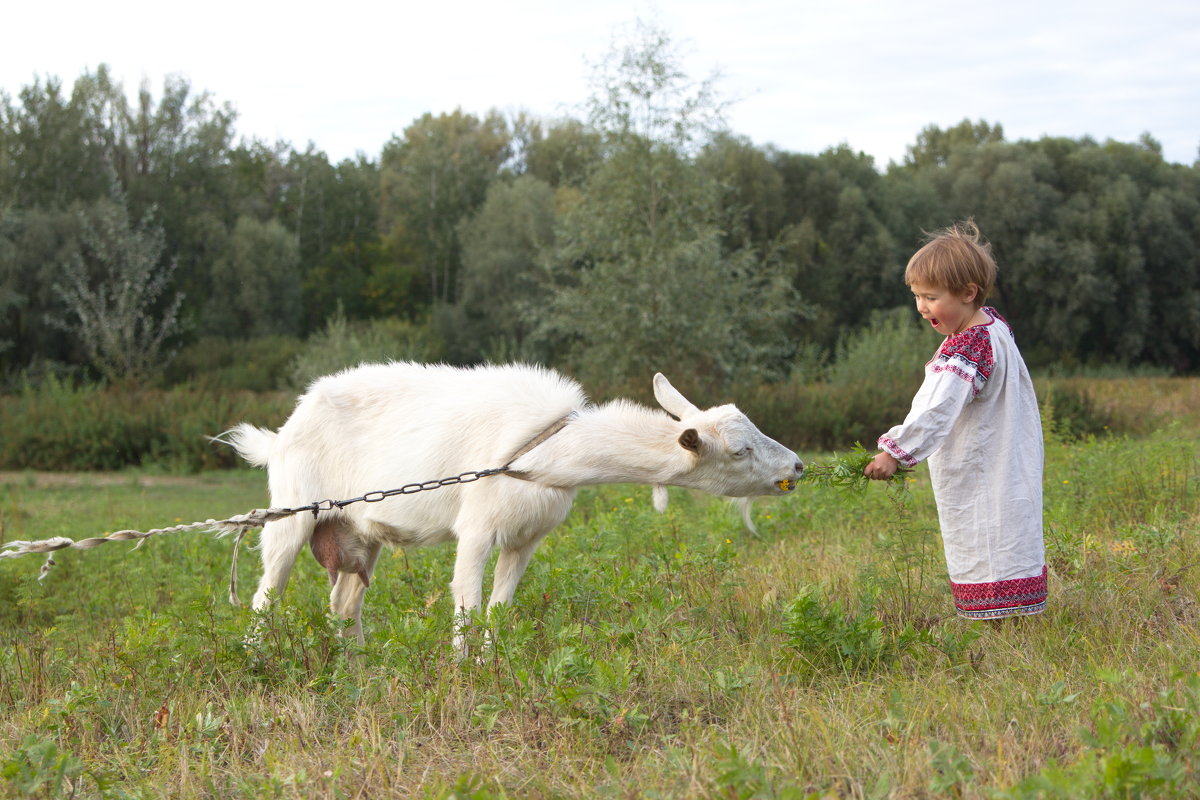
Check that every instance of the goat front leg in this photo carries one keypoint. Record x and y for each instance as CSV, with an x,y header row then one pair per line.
x,y
467,586
510,566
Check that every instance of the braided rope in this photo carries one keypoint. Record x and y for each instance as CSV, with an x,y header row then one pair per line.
x,y
238,525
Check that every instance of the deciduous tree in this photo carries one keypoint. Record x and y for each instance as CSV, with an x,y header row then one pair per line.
x,y
115,290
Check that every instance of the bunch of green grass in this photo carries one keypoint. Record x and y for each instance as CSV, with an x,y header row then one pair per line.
x,y
845,471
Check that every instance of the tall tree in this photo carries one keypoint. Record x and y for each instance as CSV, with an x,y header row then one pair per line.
x,y
845,261
561,153
33,244
751,189
934,145
640,274
501,246
114,292
432,178
334,212
256,282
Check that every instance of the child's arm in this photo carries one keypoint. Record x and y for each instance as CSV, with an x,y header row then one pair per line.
x,y
881,467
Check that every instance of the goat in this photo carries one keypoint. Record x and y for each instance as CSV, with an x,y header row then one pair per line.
x,y
382,425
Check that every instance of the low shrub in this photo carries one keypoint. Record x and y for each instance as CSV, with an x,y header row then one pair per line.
x,y
256,365
347,344
60,426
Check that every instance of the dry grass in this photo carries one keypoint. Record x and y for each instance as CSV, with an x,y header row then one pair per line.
x,y
646,655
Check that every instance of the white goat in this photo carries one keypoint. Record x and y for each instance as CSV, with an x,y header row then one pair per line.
x,y
377,427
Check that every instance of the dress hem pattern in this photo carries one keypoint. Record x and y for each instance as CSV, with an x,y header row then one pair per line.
x,y
1021,596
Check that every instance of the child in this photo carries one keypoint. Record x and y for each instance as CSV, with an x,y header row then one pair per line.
x,y
976,419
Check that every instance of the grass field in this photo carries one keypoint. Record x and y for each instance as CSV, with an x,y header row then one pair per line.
x,y
646,655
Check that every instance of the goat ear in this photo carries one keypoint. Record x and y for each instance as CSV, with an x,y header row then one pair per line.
x,y
670,399
690,440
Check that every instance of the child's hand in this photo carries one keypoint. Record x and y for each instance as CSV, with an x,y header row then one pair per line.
x,y
881,468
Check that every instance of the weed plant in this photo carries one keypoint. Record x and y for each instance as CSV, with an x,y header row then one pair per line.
x,y
645,655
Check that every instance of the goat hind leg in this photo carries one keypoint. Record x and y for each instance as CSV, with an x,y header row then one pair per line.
x,y
346,597
280,543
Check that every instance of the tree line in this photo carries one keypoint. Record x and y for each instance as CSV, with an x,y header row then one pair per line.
x,y
638,235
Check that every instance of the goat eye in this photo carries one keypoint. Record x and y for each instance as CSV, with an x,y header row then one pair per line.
x,y
742,453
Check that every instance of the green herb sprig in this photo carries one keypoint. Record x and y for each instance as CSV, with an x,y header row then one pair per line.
x,y
845,471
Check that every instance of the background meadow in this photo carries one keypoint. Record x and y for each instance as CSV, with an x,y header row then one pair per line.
x,y
162,279
646,655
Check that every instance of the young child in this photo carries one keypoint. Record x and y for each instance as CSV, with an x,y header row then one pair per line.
x,y
975,418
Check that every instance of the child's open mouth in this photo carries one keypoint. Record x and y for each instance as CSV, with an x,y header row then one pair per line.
x,y
933,321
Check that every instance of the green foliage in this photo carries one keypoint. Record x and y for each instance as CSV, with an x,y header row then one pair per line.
x,y
1132,751
828,633
641,273
256,365
1070,413
678,242
58,426
256,282
498,285
112,289
845,471
434,176
951,769
890,349
346,344
39,769
815,415
561,152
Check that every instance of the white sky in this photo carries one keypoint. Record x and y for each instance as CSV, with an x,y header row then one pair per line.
x,y
805,75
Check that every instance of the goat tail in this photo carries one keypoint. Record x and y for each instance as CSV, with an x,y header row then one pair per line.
x,y
252,443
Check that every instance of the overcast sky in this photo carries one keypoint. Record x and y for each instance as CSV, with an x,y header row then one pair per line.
x,y
347,75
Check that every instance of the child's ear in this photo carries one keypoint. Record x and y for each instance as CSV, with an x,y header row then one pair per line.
x,y
970,294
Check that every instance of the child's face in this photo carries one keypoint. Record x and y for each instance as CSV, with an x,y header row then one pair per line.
x,y
948,312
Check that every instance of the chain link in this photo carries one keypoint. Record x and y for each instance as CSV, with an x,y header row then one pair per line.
x,y
411,488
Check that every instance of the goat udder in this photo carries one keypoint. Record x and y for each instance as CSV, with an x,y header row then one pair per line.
x,y
326,546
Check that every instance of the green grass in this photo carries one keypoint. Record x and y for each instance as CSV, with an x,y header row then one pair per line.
x,y
646,655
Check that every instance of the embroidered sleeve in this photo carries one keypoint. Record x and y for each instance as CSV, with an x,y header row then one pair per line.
x,y
936,406
967,355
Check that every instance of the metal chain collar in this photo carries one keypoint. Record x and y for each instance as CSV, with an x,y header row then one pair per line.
x,y
410,488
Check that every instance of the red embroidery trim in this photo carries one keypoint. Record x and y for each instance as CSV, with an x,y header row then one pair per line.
x,y
968,354
889,445
1010,595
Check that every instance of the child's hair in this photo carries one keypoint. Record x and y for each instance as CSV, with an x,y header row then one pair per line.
x,y
953,259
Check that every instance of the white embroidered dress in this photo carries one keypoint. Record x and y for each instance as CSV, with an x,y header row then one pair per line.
x,y
975,418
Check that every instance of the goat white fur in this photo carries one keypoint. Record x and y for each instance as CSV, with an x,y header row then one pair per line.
x,y
382,426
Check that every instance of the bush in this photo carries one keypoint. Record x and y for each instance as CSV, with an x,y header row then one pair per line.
x,y
59,426
256,365
890,347
1072,411
347,344
826,633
